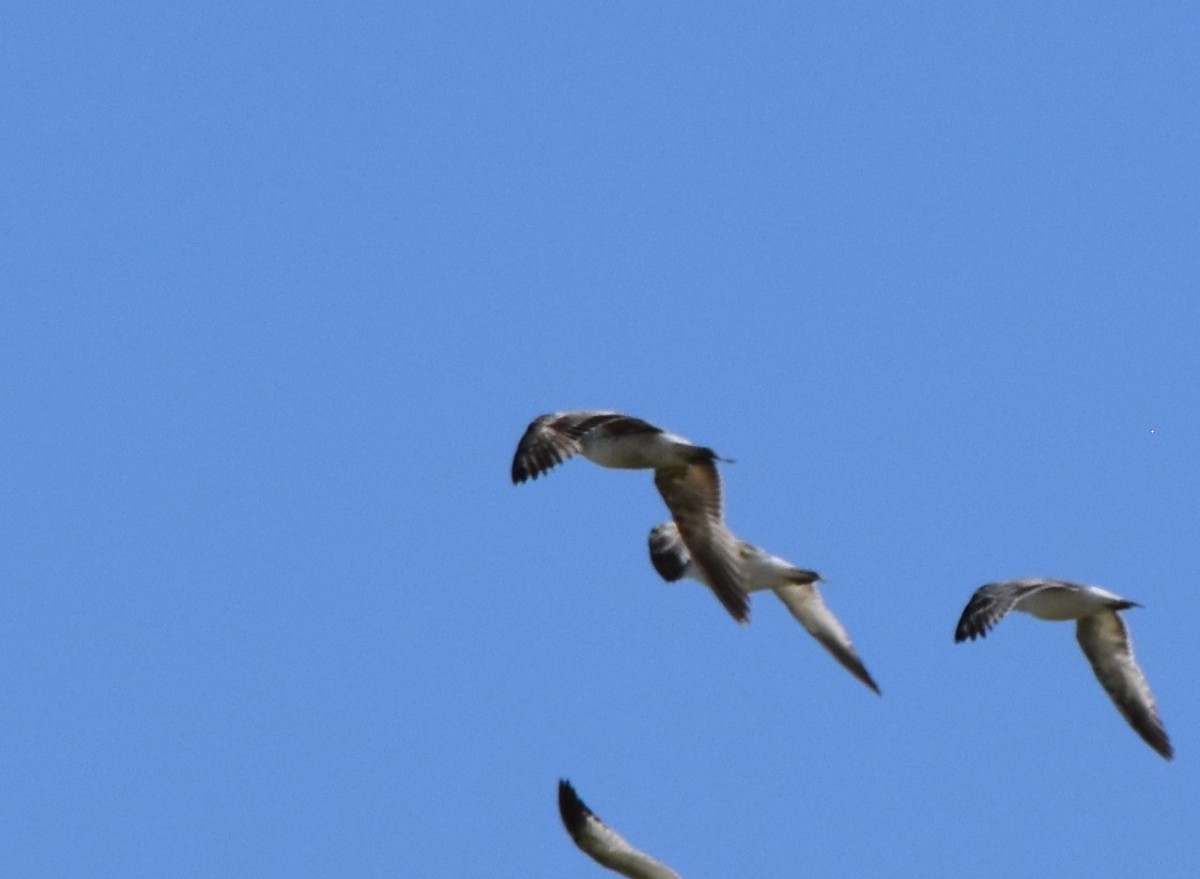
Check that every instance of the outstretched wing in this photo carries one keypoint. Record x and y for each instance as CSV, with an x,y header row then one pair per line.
x,y
1105,643
804,600
551,439
990,603
603,844
693,495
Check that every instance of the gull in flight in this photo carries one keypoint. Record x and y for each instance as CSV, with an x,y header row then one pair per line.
x,y
685,475
603,844
1100,632
795,587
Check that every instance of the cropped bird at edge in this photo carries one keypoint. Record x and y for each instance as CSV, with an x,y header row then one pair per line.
x,y
603,844
795,587
684,473
1100,632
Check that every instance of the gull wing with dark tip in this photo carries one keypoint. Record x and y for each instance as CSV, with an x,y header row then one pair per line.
x,y
806,605
551,439
692,493
1105,643
603,844
991,602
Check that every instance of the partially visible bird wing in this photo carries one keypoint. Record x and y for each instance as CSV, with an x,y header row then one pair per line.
x,y
1105,643
667,552
806,605
551,439
990,603
603,844
693,495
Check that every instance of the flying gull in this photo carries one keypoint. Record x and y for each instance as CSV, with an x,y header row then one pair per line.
x,y
603,844
796,588
1100,632
685,475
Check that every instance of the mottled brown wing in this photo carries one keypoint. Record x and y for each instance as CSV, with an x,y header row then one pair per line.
x,y
1105,643
693,495
553,438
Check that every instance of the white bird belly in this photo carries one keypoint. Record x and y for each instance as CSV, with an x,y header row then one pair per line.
x,y
647,452
1059,603
765,571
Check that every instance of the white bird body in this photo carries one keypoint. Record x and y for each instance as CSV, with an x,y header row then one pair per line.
x,y
1058,602
1099,629
642,450
765,571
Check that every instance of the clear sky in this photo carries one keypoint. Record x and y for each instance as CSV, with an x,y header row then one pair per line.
x,y
283,284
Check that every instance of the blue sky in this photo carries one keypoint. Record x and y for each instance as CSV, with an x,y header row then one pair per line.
x,y
286,283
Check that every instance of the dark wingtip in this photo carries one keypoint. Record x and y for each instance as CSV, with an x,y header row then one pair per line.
x,y
519,471
1156,738
738,605
853,664
571,808
967,629
523,470
866,678
741,613
738,609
